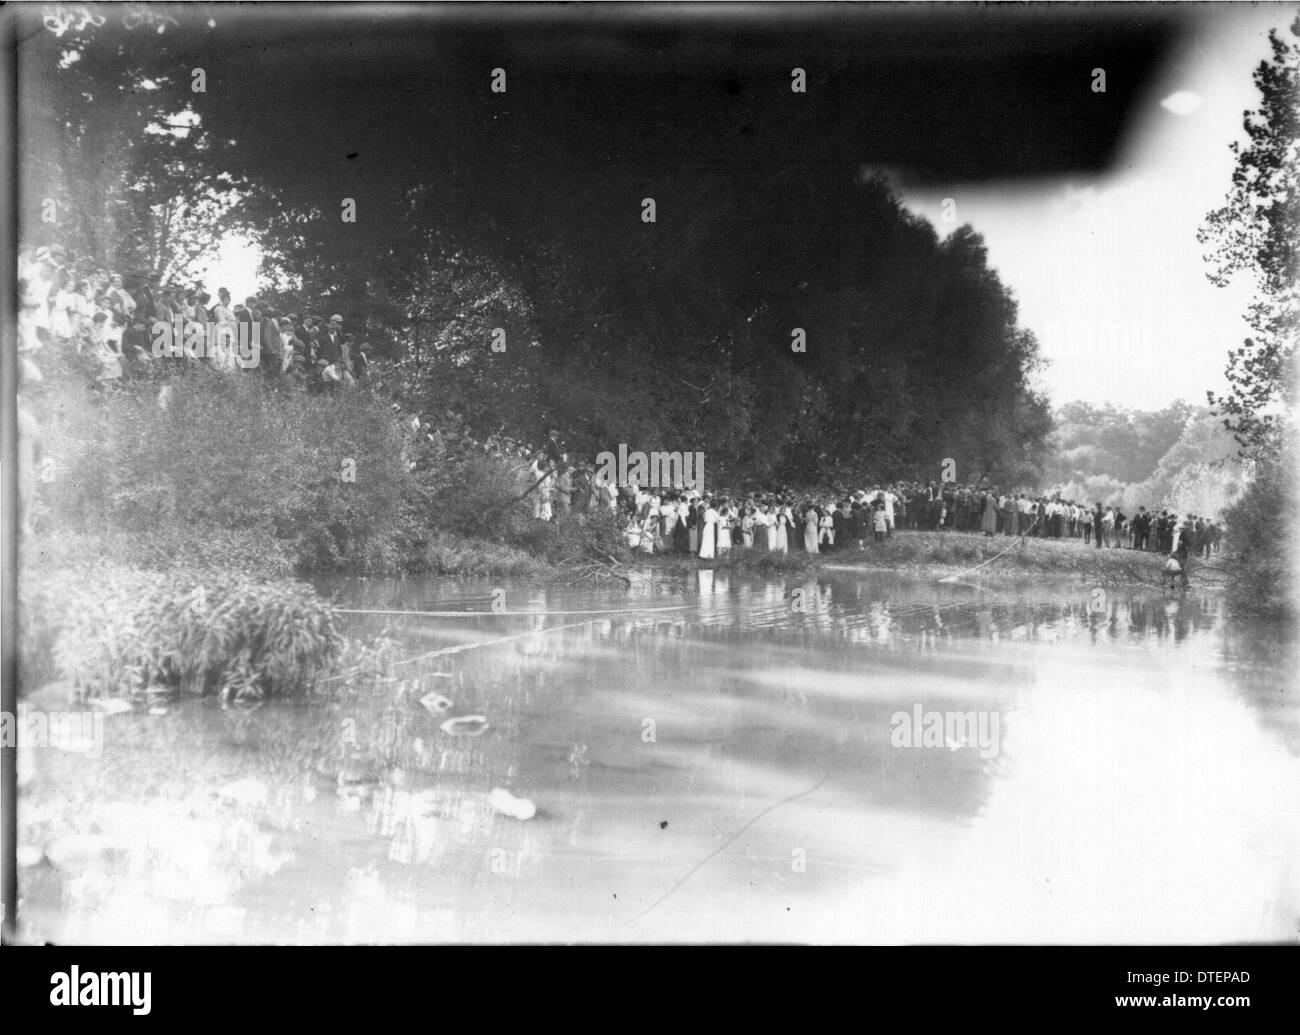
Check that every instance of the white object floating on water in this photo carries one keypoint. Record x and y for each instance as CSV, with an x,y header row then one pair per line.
x,y
157,711
508,805
110,705
29,855
465,726
436,702
247,791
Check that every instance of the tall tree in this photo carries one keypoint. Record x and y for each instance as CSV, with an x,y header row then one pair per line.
x,y
111,140
1256,232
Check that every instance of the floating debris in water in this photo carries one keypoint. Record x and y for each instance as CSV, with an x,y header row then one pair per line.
x,y
508,805
436,702
465,726
110,705
29,855
357,776
578,758
157,711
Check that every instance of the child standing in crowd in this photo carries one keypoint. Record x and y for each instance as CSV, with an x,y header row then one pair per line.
x,y
881,522
724,526
827,525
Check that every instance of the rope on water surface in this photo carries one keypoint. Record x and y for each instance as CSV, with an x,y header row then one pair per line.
x,y
488,643
470,646
1020,541
456,649
514,614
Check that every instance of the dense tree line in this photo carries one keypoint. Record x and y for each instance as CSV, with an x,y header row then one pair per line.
x,y
1116,441
789,317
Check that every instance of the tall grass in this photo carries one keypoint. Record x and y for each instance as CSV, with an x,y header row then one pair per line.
x,y
117,631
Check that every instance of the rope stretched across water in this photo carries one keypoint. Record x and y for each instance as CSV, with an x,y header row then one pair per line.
x,y
1020,541
515,614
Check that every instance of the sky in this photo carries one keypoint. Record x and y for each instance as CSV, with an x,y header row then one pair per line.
x,y
1107,268
233,266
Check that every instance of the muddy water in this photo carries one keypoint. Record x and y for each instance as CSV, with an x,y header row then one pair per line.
x,y
721,758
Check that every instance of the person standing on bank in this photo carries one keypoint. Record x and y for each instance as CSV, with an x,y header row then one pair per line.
x,y
989,518
812,522
708,532
1183,554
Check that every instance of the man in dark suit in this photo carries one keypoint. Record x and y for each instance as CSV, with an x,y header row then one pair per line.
x,y
1141,529
331,341
842,521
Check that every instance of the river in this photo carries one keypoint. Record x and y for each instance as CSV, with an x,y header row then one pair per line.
x,y
855,758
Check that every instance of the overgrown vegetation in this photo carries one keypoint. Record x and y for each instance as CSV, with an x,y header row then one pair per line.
x,y
116,630
1263,544
207,468
1254,234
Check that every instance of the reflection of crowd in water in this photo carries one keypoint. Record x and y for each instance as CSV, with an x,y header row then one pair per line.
x,y
731,603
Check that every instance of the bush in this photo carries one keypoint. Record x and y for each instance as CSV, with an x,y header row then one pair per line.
x,y
451,555
212,454
117,630
1258,543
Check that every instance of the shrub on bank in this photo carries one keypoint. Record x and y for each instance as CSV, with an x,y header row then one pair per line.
x,y
1260,544
452,555
115,630
204,455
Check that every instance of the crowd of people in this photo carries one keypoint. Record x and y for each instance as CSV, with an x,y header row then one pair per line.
x,y
130,329
706,524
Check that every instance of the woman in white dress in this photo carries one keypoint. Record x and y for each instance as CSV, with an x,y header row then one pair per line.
x,y
708,532
542,494
724,527
782,544
828,527
65,308
650,530
84,312
811,524
747,527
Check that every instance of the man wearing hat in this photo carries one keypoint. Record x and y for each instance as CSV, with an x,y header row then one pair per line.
x,y
331,342
120,307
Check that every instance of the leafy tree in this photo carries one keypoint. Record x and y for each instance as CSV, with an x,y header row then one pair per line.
x,y
109,136
1255,232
